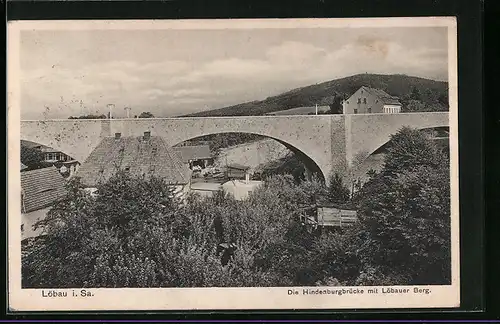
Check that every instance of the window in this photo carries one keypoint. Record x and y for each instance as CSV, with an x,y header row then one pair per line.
x,y
369,110
364,100
359,100
22,227
355,111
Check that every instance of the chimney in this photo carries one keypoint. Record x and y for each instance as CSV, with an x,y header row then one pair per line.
x,y
118,135
147,135
110,107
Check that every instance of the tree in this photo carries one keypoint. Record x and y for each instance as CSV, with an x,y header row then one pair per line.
x,y
336,105
415,94
338,193
146,114
415,106
103,116
405,212
31,157
290,164
134,235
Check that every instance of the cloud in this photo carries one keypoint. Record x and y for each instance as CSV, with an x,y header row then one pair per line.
x,y
176,86
290,52
384,57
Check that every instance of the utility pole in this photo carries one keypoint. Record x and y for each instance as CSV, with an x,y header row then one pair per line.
x,y
316,109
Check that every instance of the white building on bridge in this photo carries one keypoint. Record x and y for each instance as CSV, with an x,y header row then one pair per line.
x,y
371,101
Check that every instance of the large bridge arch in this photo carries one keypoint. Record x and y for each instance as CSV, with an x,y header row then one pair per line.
x,y
310,164
375,160
316,137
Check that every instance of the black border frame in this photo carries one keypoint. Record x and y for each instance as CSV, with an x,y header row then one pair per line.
x,y
471,119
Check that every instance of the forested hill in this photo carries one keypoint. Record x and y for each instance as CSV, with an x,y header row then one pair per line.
x,y
416,94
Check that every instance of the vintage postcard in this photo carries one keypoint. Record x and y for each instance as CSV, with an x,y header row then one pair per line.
x,y
233,164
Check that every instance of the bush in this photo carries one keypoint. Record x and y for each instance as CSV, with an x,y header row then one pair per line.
x,y
134,235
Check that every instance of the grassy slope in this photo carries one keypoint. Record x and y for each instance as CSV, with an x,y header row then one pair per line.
x,y
433,95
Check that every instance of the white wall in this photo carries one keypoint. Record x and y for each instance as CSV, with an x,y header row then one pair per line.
x,y
29,219
239,189
392,109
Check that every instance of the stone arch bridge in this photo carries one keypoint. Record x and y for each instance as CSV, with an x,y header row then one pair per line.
x,y
327,142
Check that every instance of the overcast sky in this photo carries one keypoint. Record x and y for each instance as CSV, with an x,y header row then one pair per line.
x,y
173,72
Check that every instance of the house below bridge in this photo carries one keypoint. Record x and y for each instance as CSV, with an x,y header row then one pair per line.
x,y
64,163
140,156
195,156
40,190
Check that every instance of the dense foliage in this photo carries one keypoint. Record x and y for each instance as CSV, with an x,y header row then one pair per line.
x,y
338,193
416,94
222,140
289,164
31,157
406,210
146,114
133,235
103,116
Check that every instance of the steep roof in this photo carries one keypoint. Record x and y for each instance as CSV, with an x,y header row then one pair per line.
x,y
41,188
194,152
30,144
383,96
137,155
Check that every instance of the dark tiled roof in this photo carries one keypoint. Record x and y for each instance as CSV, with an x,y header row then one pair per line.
x,y
30,144
140,157
194,152
41,188
384,96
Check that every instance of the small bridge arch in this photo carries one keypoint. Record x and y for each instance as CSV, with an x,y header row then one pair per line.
x,y
367,133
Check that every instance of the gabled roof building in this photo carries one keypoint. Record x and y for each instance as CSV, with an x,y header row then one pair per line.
x,y
143,156
40,189
368,100
190,153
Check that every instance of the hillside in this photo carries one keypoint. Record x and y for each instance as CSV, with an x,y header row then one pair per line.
x,y
416,94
